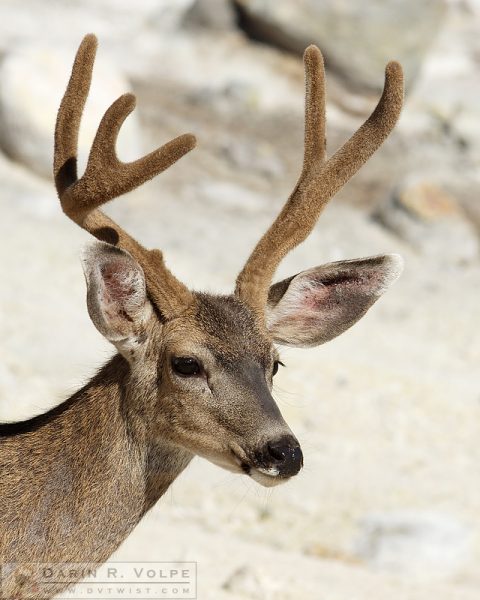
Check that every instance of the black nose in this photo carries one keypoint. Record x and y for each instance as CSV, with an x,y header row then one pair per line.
x,y
285,455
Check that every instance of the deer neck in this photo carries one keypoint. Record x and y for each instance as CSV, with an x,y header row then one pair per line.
x,y
80,477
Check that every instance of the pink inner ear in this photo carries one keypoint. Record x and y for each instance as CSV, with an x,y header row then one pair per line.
x,y
301,307
306,298
319,304
312,295
118,279
318,292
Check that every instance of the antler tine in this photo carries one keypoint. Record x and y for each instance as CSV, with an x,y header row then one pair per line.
x,y
70,114
315,141
106,177
320,180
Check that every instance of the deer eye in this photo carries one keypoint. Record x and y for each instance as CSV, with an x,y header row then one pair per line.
x,y
276,364
186,366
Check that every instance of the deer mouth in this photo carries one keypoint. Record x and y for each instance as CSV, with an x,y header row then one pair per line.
x,y
270,472
268,477
265,472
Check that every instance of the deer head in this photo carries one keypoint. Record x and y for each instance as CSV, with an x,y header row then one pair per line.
x,y
201,366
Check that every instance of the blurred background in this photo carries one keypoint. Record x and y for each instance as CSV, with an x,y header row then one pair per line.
x,y
388,505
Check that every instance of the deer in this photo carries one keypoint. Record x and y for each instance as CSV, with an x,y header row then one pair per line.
x,y
192,373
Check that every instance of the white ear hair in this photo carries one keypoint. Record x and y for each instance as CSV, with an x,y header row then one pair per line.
x,y
290,302
394,265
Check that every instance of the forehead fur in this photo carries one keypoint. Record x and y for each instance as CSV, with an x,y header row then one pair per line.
x,y
231,327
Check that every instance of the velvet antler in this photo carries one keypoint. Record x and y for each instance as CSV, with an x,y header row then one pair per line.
x,y
320,179
106,177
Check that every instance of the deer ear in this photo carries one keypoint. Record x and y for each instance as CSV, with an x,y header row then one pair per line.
x,y
315,306
116,293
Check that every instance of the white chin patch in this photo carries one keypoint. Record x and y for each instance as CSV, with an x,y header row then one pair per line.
x,y
266,477
272,472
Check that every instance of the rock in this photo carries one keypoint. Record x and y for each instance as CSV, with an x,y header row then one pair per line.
x,y
260,158
211,14
253,79
358,39
112,20
247,583
431,220
228,196
415,543
33,81
467,192
166,15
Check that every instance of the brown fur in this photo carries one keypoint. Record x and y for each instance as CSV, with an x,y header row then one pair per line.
x,y
76,480
70,491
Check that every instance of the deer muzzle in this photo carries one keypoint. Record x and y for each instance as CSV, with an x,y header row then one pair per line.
x,y
274,462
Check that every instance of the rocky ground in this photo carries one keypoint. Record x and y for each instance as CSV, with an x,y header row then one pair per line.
x,y
388,505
